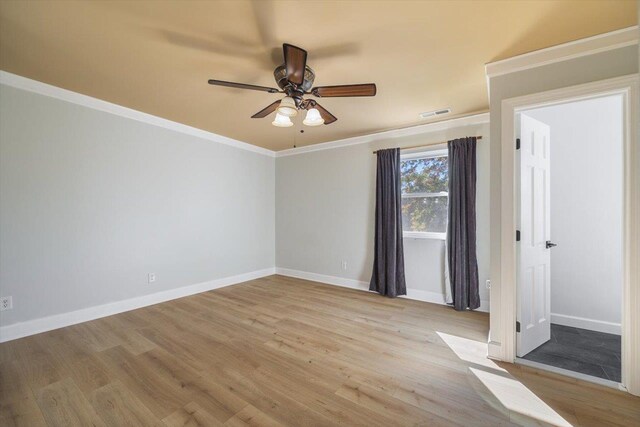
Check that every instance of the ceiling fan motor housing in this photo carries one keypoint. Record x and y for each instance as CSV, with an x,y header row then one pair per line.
x,y
280,74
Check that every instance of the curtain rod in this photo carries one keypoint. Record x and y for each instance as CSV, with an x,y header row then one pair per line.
x,y
427,145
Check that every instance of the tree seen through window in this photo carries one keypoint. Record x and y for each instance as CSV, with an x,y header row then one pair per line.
x,y
425,194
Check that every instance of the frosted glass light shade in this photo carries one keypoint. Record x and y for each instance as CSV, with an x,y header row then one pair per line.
x,y
313,118
288,107
282,121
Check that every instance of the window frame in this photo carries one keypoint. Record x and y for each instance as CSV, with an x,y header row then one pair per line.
x,y
425,154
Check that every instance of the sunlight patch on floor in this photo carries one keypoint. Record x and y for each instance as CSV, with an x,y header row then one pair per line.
x,y
521,403
470,350
517,398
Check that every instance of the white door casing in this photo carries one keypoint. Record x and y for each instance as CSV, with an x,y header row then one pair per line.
x,y
503,336
533,256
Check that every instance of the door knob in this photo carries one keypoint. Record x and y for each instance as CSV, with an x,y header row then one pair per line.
x,y
550,244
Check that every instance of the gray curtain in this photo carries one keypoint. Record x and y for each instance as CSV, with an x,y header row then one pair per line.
x,y
461,230
388,263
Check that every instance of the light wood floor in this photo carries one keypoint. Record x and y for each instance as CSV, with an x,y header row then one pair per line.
x,y
278,351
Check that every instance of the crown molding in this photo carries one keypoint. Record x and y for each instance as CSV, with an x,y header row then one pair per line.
x,y
30,85
562,52
40,88
475,119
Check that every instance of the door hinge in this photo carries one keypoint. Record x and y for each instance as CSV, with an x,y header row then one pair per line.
x,y
517,326
517,143
517,235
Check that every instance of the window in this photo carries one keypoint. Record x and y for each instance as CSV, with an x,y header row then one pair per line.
x,y
425,197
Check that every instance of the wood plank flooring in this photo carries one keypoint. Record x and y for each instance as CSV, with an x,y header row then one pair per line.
x,y
280,352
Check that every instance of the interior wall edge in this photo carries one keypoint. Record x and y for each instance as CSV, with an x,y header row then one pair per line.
x,y
413,294
61,320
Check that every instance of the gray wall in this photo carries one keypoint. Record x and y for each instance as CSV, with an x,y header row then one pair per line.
x,y
325,213
609,64
90,203
586,209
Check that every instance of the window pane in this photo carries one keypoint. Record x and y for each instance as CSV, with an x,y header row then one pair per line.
x,y
425,214
424,175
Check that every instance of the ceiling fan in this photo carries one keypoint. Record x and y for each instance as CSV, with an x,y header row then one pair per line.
x,y
295,79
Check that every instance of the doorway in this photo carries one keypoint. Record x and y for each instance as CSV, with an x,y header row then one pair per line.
x,y
569,252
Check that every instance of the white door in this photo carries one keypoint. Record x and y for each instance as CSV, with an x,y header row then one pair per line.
x,y
534,256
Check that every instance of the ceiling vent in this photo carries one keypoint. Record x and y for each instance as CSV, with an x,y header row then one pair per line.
x,y
434,113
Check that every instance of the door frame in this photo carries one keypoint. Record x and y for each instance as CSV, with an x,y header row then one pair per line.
x,y
504,300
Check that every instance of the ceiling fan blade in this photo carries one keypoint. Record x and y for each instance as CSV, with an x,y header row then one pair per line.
x,y
295,60
327,116
367,89
243,86
266,111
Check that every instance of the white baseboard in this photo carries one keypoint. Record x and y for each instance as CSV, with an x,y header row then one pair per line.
x,y
584,323
494,350
44,324
323,278
414,294
56,321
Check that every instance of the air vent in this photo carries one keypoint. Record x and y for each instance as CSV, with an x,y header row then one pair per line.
x,y
434,113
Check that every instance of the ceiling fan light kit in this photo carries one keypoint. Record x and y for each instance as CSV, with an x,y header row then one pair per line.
x,y
282,121
295,79
288,107
313,118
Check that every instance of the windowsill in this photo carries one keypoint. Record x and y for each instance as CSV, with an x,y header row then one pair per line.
x,y
423,235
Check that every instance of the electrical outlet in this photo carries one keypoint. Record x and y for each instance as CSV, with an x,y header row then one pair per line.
x,y
344,264
488,284
6,303
152,277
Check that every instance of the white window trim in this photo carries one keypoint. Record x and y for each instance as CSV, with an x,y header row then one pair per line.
x,y
424,235
421,195
424,155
